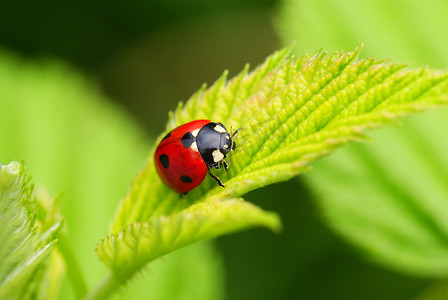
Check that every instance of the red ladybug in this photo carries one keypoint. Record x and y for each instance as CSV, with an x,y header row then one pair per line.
x,y
185,154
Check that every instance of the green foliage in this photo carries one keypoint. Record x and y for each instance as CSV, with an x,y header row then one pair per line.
x,y
292,112
411,31
388,198
395,209
24,244
76,141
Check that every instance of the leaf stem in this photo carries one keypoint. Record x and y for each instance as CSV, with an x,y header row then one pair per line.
x,y
74,273
104,289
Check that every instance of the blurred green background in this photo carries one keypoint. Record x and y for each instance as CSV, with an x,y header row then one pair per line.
x,y
85,87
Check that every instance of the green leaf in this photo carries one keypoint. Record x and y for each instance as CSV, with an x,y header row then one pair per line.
x,y
148,195
140,243
23,245
291,112
390,198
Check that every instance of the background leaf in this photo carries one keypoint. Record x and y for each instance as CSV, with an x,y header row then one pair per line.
x,y
195,271
410,31
23,245
387,198
60,122
395,208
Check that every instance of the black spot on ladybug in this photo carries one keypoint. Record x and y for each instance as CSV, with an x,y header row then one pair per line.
x,y
187,139
186,179
167,136
164,160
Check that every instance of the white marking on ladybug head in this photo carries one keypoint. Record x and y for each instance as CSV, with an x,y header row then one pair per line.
x,y
194,147
226,146
220,129
217,156
195,132
228,136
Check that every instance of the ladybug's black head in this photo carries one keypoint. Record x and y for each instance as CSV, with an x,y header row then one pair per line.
x,y
227,142
214,142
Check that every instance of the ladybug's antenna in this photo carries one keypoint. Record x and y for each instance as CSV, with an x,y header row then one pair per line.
x,y
232,135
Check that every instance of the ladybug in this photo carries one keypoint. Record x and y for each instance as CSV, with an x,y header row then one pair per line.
x,y
185,155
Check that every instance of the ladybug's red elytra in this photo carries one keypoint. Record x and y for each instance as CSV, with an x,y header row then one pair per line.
x,y
188,152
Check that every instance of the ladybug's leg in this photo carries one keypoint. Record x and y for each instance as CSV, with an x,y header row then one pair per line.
x,y
216,178
219,165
